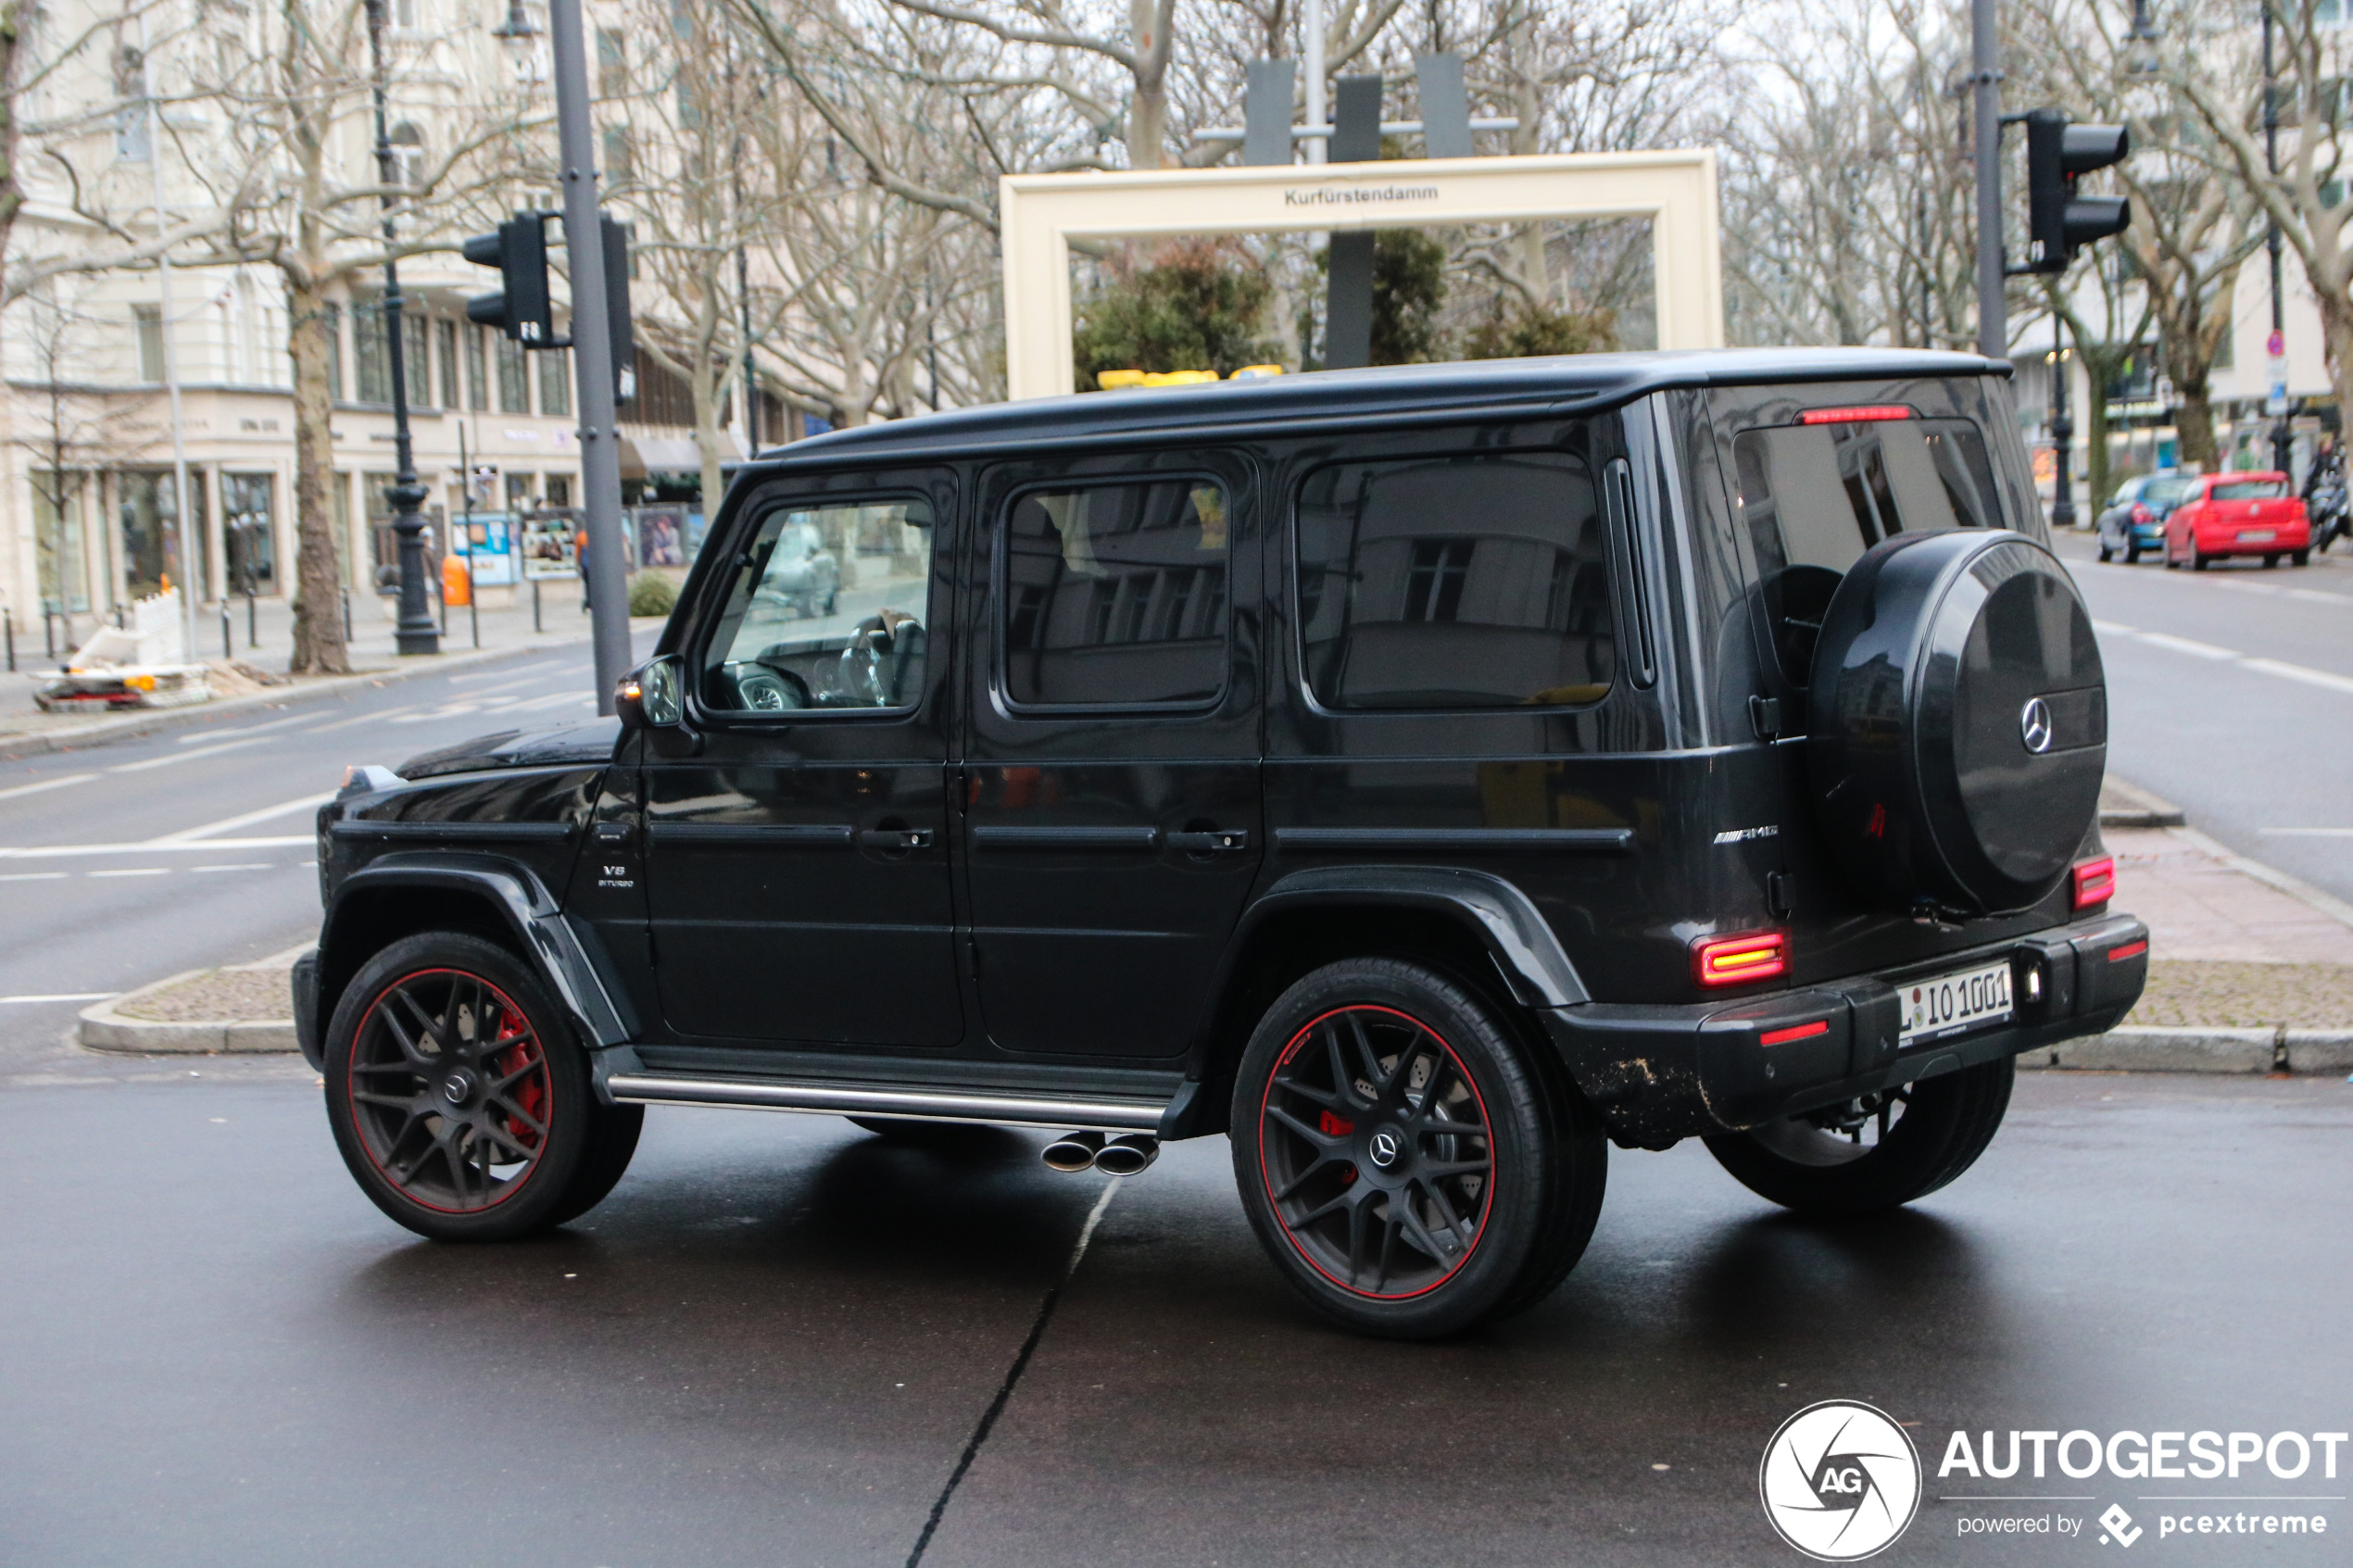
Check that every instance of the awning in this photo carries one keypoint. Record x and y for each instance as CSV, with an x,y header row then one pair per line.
x,y
644,454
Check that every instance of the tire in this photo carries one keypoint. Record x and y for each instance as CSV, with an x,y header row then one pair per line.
x,y
2300,558
2131,555
2199,560
2271,561
831,596
425,1144
2107,555
1325,1088
1943,1124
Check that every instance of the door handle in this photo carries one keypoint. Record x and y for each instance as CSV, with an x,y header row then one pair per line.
x,y
1210,841
901,839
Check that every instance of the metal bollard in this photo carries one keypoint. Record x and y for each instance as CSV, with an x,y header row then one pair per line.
x,y
252,619
534,606
9,617
228,637
347,615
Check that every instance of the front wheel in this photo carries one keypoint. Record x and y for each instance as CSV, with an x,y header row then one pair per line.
x,y
458,1098
2131,555
1407,1164
2300,558
1880,1152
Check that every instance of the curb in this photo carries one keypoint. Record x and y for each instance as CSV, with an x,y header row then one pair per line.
x,y
103,1028
36,742
2124,805
2276,1049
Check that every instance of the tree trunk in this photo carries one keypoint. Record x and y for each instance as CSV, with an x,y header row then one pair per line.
x,y
2194,426
707,438
317,607
2336,334
1148,108
12,19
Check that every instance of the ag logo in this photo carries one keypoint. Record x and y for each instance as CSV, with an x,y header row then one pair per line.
x,y
1839,1481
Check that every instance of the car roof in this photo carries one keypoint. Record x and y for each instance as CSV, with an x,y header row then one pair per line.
x,y
1561,384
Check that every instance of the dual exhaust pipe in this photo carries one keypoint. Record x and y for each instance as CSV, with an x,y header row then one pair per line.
x,y
1127,1155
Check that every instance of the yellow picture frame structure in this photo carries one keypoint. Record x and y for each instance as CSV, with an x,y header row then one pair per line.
x,y
1041,214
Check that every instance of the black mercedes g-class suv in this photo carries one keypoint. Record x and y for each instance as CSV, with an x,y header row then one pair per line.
x,y
1424,776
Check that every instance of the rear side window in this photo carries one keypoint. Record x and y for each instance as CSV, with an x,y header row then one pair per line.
x,y
1115,594
2248,489
1816,497
1453,582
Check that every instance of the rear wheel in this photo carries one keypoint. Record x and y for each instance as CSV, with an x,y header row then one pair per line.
x,y
1880,1152
1408,1165
2131,555
2271,561
458,1098
2199,560
2301,558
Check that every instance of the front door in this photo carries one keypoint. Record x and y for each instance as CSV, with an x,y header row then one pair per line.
x,y
1112,766
798,866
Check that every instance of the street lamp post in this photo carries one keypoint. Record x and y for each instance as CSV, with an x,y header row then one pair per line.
x,y
2062,430
415,633
2283,439
1985,82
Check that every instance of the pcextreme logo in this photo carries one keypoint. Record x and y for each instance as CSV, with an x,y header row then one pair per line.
x,y
1839,1481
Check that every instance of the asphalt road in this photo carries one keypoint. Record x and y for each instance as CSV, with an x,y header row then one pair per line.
x,y
128,861
2231,694
779,1337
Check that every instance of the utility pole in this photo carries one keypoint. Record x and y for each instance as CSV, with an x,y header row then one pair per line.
x,y
592,354
1985,80
2275,403
2062,424
184,504
1311,31
415,633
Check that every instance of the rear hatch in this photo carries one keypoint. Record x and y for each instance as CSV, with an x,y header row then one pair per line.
x,y
2254,510
1816,475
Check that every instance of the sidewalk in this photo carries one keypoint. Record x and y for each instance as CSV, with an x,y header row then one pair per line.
x,y
503,631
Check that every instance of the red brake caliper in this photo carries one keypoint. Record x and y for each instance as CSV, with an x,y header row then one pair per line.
x,y
531,1094
1333,1126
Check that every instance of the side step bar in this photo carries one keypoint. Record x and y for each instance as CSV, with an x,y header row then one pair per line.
x,y
995,1107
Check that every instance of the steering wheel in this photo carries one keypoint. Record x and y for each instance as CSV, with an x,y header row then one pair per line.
x,y
766,690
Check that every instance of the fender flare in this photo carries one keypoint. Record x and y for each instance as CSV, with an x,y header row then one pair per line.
x,y
548,940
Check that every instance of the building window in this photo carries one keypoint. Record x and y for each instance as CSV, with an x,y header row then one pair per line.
x,y
560,490
371,361
408,146
408,14
612,63
445,350
133,140
249,518
554,381
477,369
148,319
619,163
518,492
514,382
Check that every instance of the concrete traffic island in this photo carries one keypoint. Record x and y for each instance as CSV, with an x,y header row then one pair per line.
x,y
237,1009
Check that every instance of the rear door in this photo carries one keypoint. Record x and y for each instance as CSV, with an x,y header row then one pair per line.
x,y
1112,770
797,872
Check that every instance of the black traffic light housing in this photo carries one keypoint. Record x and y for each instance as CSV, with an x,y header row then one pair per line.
x,y
2057,153
523,308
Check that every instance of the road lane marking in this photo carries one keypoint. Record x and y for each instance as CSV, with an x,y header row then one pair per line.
x,y
201,846
2310,833
376,717
249,818
2113,628
241,866
167,760
46,783
135,871
63,996
513,670
2317,595
2188,644
35,876
248,730
2310,676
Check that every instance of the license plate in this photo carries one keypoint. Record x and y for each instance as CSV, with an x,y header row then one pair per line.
x,y
2257,535
1953,1002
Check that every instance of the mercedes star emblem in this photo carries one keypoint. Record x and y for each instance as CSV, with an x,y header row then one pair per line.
x,y
1384,1149
2034,725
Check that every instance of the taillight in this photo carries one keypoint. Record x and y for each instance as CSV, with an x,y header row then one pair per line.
x,y
2094,882
1737,961
1861,413
2142,514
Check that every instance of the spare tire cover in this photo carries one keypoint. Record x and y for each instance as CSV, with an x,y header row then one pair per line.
x,y
1958,722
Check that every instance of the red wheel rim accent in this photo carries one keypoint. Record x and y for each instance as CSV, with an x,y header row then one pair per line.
x,y
1376,1152
449,1092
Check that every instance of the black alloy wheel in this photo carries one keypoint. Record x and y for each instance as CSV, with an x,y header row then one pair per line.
x,y
1408,1165
1879,1152
458,1098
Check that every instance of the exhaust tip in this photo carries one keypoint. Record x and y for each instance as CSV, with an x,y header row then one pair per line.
x,y
1073,1152
1128,1155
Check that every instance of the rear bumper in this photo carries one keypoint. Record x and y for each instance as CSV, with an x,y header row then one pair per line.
x,y
2222,539
1659,1073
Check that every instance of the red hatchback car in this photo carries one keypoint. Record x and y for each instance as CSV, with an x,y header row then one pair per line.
x,y
2238,514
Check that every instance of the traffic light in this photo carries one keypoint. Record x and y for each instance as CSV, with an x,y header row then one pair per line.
x,y
625,335
522,309
2059,154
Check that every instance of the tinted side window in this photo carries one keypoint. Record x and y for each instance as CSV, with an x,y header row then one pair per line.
x,y
1114,595
1452,582
1816,497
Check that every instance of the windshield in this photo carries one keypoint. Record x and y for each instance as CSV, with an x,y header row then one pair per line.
x,y
1816,496
2248,489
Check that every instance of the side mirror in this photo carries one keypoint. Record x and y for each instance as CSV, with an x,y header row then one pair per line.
x,y
650,698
